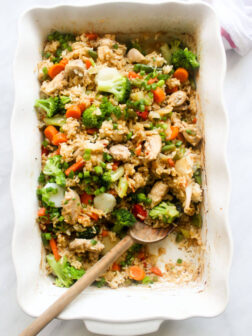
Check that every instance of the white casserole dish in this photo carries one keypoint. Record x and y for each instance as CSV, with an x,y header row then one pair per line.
x,y
132,310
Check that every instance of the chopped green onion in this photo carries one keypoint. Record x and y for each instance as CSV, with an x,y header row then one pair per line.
x,y
98,170
87,154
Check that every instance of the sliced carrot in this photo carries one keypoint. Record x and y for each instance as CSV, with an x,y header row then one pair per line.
x,y
63,62
59,138
194,121
94,216
116,267
86,198
138,150
115,165
104,233
55,69
152,80
41,212
159,95
50,131
54,248
82,106
76,166
174,89
91,36
92,131
88,63
155,270
73,111
171,162
133,74
174,133
136,273
181,74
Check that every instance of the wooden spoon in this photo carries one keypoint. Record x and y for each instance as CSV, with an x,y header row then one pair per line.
x,y
140,233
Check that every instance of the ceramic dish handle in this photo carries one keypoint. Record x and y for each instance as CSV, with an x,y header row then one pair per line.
x,y
123,329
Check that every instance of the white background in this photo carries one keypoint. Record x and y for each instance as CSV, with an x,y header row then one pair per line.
x,y
237,319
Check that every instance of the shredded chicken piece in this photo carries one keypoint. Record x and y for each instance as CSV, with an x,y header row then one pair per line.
x,y
56,84
83,245
152,147
75,66
120,152
192,134
71,207
177,98
135,56
157,192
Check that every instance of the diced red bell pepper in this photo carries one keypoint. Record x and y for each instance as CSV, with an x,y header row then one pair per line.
x,y
139,212
143,114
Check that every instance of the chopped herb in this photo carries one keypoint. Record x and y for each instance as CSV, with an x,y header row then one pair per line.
x,y
46,237
107,157
179,237
197,220
80,175
45,143
71,174
197,176
93,242
41,178
100,283
115,46
179,261
115,126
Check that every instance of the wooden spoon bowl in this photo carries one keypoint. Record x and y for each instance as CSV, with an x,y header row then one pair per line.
x,y
140,233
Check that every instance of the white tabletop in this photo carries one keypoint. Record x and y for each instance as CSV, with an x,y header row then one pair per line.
x,y
236,320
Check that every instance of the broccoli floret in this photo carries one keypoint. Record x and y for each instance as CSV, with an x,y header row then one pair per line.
x,y
167,212
107,109
110,80
94,116
185,59
52,105
62,101
57,120
49,105
53,168
168,50
123,219
65,273
91,117
112,176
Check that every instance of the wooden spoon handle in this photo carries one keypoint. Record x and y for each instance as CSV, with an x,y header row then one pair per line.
x,y
90,276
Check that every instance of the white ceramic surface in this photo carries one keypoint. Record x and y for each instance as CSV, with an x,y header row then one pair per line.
x,y
35,292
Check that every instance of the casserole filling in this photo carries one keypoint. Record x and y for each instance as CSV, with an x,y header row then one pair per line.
x,y
121,143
